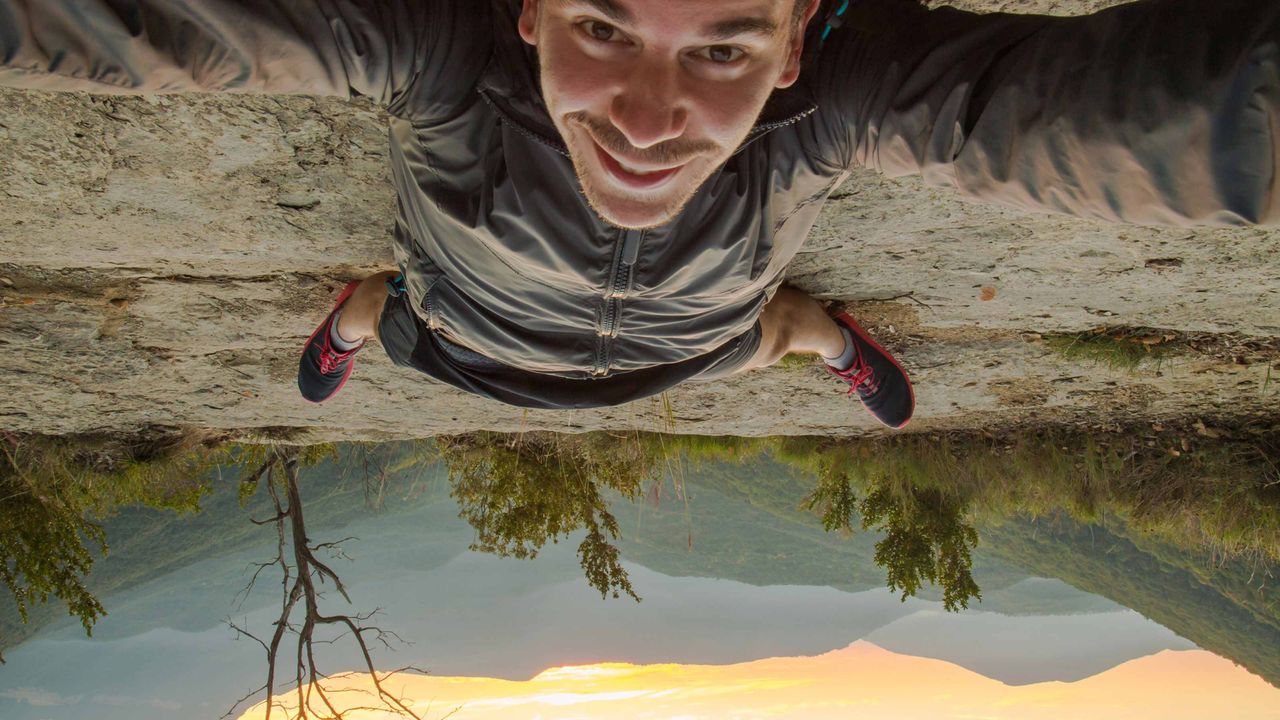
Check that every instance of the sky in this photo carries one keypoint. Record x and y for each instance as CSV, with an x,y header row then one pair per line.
x,y
860,681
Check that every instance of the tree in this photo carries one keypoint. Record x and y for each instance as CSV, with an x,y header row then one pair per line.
x,y
43,552
926,540
53,489
519,492
303,575
926,537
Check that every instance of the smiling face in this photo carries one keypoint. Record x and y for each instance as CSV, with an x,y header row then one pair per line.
x,y
653,96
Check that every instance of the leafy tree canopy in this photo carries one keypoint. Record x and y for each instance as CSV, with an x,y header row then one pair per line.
x,y
518,492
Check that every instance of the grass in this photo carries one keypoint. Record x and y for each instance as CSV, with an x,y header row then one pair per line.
x,y
797,361
1117,348
94,474
668,412
1218,490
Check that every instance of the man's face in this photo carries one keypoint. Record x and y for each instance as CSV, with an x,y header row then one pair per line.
x,y
652,96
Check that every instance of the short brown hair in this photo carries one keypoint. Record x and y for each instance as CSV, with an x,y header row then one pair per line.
x,y
799,10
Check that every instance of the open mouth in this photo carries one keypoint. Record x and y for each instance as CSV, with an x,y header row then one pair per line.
x,y
635,178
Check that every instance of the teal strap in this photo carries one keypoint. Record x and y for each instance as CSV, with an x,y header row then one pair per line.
x,y
834,20
395,286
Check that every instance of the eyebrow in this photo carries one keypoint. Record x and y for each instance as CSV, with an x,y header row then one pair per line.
x,y
722,30
726,29
609,8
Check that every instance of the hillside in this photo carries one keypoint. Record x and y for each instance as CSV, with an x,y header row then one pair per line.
x,y
1225,608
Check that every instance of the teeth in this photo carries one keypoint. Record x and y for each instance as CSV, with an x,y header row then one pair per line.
x,y
633,171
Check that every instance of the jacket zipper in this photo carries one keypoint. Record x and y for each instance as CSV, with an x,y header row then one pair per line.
x,y
763,129
625,259
621,275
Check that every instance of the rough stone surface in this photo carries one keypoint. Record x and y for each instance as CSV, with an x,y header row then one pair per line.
x,y
162,259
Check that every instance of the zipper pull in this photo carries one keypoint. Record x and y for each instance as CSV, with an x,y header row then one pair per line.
x,y
631,247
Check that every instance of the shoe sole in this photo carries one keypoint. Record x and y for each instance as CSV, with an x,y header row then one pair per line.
x,y
847,320
342,297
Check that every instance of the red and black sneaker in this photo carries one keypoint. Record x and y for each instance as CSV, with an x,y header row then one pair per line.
x,y
324,369
879,380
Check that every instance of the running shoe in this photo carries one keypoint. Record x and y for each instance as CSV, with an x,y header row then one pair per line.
x,y
323,369
876,377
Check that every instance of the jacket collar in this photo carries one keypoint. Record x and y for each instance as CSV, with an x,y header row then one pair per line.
x,y
510,85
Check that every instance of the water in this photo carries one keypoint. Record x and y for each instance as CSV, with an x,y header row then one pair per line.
x,y
750,609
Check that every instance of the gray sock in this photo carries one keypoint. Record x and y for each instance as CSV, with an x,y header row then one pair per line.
x,y
846,358
337,340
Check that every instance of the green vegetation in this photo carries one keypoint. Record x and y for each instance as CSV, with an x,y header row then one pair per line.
x,y
1117,348
519,492
745,522
148,543
1215,491
926,539
52,491
1180,523
1193,487
55,493
797,361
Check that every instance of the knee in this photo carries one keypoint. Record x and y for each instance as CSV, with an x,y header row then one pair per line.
x,y
777,329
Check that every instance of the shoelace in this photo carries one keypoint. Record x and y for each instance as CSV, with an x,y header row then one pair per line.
x,y
858,373
330,359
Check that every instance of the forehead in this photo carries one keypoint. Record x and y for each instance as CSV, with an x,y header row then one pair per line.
x,y
721,18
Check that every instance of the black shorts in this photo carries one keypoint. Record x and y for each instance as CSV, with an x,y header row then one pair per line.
x,y
410,343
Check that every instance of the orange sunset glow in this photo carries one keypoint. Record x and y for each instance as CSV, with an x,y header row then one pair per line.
x,y
861,681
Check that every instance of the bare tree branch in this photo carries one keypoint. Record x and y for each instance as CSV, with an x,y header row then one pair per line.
x,y
302,576
244,699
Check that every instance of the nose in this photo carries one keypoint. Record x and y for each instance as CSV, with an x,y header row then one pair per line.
x,y
647,106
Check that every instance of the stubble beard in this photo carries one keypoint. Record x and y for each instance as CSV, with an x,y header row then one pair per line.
x,y
672,152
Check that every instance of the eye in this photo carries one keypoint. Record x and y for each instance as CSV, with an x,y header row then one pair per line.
x,y
721,54
596,30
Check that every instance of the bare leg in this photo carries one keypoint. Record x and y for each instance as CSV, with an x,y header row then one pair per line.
x,y
361,311
795,322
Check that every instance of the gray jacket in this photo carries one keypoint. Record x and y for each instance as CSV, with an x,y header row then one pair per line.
x,y
1163,111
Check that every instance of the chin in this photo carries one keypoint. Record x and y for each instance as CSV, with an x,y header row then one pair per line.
x,y
636,212
634,215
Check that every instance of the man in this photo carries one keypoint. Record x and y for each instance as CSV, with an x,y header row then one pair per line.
x,y
598,198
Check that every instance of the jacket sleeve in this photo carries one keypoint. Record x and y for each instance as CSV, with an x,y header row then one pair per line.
x,y
374,48
1157,112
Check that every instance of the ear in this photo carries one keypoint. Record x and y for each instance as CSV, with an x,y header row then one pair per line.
x,y
791,71
528,22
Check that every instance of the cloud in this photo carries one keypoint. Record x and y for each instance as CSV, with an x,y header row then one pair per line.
x,y
124,700
39,698
45,698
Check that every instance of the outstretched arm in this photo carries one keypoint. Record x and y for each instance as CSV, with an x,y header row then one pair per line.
x,y
1160,111
374,48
